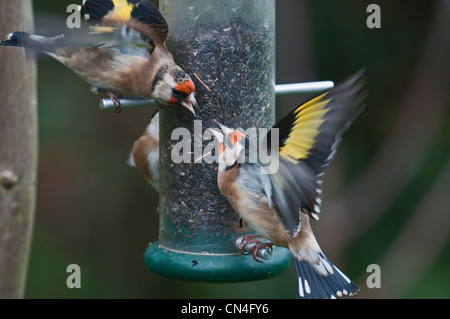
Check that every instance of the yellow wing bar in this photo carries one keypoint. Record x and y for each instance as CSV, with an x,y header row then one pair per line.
x,y
308,118
121,12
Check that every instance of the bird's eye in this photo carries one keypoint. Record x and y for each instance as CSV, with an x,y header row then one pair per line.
x,y
178,94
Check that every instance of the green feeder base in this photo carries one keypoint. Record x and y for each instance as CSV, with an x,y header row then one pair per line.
x,y
214,268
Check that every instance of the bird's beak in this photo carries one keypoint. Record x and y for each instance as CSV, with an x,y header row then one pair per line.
x,y
190,102
225,130
217,134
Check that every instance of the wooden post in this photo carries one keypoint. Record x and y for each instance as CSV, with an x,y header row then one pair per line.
x,y
18,151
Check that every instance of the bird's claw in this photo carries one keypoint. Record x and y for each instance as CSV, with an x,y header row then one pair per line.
x,y
253,245
118,108
114,98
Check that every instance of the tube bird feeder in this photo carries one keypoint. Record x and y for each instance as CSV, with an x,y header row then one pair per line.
x,y
228,49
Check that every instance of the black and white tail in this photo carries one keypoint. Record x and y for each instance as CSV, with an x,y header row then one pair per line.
x,y
323,280
16,39
27,40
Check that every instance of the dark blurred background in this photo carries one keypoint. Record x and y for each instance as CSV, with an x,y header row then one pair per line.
x,y
386,194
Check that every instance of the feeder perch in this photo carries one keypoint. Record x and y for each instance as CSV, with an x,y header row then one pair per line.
x,y
280,89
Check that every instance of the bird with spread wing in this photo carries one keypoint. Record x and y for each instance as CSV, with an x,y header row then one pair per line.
x,y
280,204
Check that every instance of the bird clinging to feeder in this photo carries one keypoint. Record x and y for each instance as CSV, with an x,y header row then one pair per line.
x,y
145,153
279,205
122,52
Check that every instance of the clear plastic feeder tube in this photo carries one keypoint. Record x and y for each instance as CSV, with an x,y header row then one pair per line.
x,y
228,49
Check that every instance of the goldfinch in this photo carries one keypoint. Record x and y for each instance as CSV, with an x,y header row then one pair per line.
x,y
279,205
122,52
145,153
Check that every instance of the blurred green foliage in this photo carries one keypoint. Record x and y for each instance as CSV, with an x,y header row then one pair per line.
x,y
94,211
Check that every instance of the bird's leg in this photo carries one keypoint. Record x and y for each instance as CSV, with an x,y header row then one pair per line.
x,y
114,97
255,245
249,239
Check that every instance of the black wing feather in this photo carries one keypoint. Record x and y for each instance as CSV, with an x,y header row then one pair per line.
x,y
140,10
147,13
296,184
344,106
96,9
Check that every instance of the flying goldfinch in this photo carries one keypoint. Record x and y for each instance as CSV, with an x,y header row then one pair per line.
x,y
279,205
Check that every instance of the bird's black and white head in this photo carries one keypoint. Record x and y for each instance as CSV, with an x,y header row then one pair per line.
x,y
173,86
141,32
229,146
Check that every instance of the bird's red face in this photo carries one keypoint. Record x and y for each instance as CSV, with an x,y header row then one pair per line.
x,y
232,139
229,146
183,94
235,137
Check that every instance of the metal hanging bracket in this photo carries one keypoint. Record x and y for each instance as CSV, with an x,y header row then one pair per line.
x,y
280,90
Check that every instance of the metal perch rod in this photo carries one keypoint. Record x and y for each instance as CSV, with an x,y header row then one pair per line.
x,y
280,89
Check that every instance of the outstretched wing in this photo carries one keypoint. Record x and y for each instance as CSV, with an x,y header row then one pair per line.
x,y
139,15
308,138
